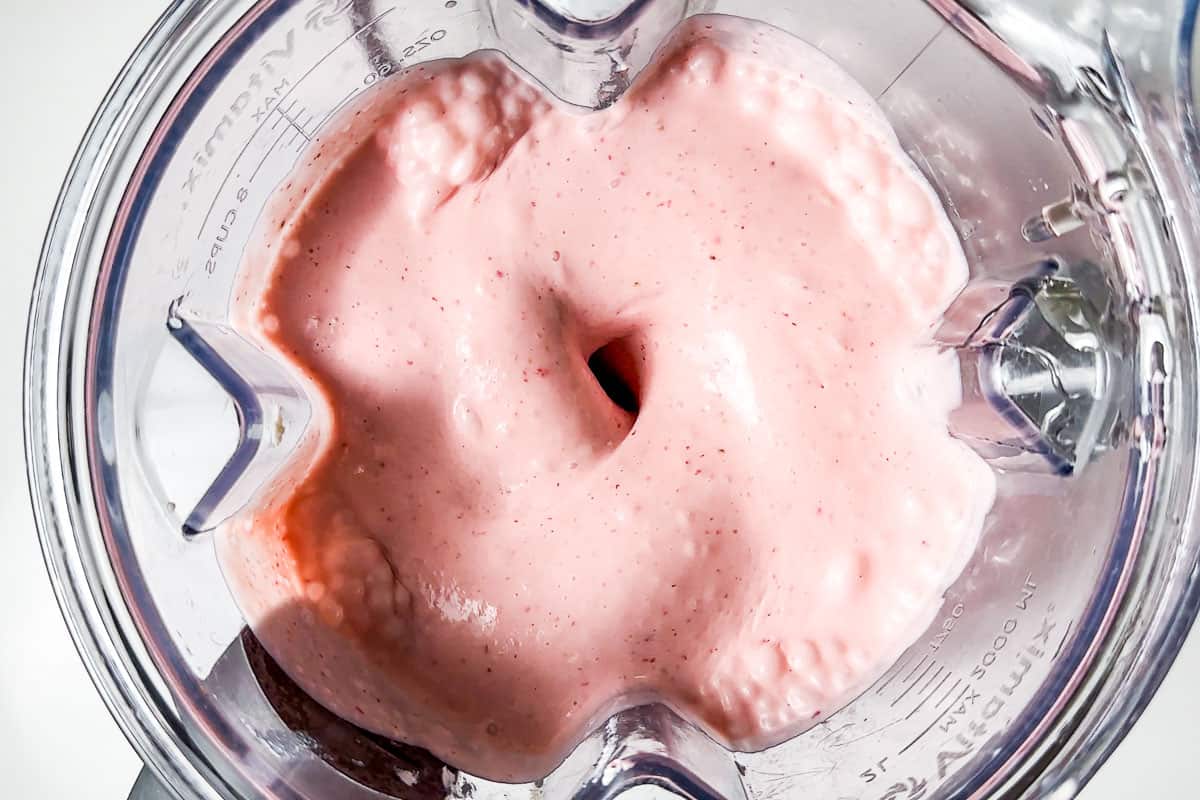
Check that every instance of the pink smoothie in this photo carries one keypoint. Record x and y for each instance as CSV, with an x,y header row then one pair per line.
x,y
486,555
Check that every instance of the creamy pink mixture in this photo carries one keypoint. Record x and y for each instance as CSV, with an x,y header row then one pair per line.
x,y
486,555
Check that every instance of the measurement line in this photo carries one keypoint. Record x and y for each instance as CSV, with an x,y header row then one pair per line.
x,y
928,695
935,721
220,188
1066,635
286,113
827,731
948,692
867,735
267,154
341,104
912,61
923,659
899,666
933,678
895,670
913,684
303,126
292,121
365,26
238,159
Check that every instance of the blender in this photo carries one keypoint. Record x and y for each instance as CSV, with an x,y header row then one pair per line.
x,y
1060,138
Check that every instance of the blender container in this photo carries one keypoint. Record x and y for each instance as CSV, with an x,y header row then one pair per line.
x,y
1059,136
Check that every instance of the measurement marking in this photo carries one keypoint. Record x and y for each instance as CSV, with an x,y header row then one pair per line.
x,y
212,205
933,678
240,155
928,695
827,731
935,721
895,670
267,154
1066,635
913,684
866,735
948,693
341,104
917,667
891,674
292,121
366,25
912,61
284,113
220,188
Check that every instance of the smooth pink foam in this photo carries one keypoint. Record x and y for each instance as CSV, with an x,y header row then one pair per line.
x,y
487,556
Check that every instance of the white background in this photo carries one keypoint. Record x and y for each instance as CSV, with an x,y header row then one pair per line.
x,y
56,739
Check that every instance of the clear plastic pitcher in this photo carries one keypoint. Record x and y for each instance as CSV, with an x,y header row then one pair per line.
x,y
1059,136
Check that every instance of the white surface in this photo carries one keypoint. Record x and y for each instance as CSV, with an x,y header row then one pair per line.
x,y
56,739
57,742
